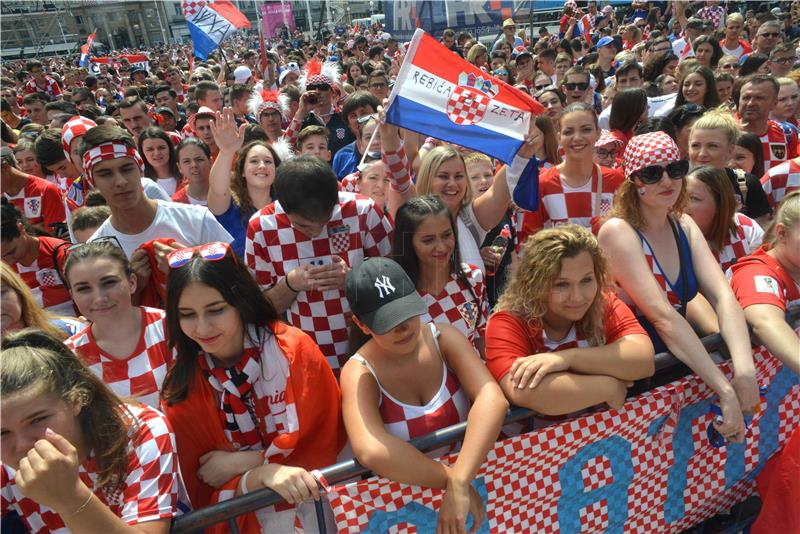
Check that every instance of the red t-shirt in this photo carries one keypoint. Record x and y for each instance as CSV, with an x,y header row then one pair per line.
x,y
777,146
42,278
509,336
761,279
39,201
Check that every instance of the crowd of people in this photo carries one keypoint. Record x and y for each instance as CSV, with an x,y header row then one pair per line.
x,y
223,275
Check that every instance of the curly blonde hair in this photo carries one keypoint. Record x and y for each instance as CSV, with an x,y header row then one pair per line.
x,y
540,264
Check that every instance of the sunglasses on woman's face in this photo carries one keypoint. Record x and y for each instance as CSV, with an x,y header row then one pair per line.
x,y
653,173
209,252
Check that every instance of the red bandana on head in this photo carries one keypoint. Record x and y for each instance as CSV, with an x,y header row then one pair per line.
x,y
109,151
74,128
648,149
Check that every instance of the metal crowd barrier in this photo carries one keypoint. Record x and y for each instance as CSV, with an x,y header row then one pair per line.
x,y
665,363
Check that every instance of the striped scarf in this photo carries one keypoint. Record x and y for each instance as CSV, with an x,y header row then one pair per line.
x,y
257,399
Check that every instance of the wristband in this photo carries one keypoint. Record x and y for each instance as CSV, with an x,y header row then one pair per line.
x,y
286,279
243,482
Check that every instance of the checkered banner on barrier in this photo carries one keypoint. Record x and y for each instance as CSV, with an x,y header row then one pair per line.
x,y
647,467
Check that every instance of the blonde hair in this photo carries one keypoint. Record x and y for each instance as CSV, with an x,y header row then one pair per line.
x,y
627,204
430,166
32,314
787,213
735,17
477,157
540,264
476,50
718,119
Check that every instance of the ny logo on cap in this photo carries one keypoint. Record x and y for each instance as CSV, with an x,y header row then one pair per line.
x,y
384,284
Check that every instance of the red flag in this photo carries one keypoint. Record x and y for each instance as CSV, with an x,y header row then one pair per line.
x,y
86,49
263,48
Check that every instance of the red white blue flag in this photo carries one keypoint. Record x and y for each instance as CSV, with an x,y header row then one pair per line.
x,y
210,22
440,94
86,49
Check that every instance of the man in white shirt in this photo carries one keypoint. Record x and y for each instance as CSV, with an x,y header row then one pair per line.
x,y
683,47
111,161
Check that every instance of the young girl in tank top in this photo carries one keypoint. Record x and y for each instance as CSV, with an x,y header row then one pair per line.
x,y
410,379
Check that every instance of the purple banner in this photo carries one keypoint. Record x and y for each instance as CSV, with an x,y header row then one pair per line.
x,y
272,20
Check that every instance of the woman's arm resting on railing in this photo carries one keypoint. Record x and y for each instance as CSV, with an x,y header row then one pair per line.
x,y
628,358
732,324
770,326
624,252
561,393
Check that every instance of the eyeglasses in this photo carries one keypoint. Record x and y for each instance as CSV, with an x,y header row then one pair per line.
x,y
540,87
784,60
378,85
605,153
111,239
771,35
580,86
364,119
321,87
210,252
653,173
545,90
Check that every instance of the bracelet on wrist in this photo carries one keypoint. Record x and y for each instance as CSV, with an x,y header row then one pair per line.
x,y
286,278
82,507
243,482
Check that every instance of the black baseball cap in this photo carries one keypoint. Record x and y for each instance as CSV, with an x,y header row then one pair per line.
x,y
382,295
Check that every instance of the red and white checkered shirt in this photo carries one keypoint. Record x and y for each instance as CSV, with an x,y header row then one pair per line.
x,y
39,201
780,180
356,230
747,239
349,183
559,203
152,489
777,148
449,406
42,278
141,374
50,87
464,306
715,15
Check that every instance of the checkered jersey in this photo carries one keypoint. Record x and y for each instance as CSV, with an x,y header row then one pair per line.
x,y
780,180
714,15
50,87
449,406
152,488
778,147
141,374
357,229
349,183
42,278
39,201
746,240
559,203
464,306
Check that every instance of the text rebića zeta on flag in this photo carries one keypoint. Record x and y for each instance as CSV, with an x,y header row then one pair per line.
x,y
210,22
86,49
438,93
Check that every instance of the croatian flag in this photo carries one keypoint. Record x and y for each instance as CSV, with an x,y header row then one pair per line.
x,y
210,22
586,27
87,49
437,93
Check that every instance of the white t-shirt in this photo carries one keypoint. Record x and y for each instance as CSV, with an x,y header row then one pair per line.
x,y
189,225
154,191
735,52
169,185
468,249
678,48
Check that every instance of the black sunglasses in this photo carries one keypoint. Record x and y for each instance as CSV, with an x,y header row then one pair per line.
x,y
580,86
653,173
321,87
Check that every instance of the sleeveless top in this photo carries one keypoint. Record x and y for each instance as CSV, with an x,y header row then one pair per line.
x,y
672,290
449,406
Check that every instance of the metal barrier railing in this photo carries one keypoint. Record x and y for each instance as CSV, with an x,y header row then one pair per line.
x,y
228,511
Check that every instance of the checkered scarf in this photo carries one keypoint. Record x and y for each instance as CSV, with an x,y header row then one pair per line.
x,y
109,151
251,402
74,128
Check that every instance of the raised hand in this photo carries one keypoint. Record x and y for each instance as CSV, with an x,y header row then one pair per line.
x,y
227,135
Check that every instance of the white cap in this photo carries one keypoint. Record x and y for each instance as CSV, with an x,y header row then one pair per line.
x,y
242,73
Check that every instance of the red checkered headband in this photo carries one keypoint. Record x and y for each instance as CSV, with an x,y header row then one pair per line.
x,y
107,152
74,128
649,149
